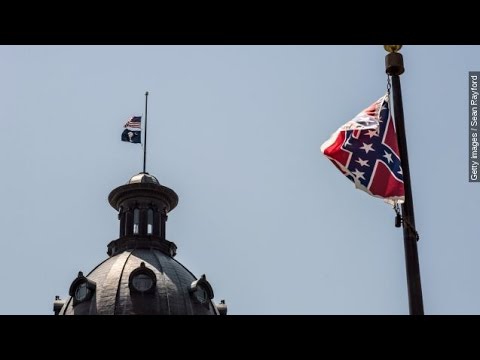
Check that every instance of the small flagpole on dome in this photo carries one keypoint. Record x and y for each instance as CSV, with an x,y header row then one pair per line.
x,y
145,136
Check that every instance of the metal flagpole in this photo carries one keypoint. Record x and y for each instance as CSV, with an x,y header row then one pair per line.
x,y
145,136
394,68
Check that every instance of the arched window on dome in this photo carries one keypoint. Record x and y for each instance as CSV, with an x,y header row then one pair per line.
x,y
142,280
121,217
82,289
201,291
136,220
150,222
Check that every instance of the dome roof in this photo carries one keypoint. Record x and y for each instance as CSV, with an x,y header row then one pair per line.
x,y
144,178
141,276
143,185
140,281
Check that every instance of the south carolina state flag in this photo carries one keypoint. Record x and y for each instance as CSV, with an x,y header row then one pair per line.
x,y
365,150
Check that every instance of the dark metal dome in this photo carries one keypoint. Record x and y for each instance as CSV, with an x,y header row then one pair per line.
x,y
141,275
143,185
144,178
113,288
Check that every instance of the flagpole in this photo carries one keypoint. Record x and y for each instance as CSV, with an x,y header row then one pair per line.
x,y
145,136
394,68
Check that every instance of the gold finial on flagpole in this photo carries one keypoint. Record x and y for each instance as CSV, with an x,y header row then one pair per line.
x,y
392,48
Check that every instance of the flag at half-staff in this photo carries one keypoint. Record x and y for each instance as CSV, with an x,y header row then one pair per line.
x,y
365,150
132,132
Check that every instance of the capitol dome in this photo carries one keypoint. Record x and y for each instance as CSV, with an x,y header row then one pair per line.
x,y
140,276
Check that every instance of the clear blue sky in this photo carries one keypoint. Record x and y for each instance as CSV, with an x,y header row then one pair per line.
x,y
236,131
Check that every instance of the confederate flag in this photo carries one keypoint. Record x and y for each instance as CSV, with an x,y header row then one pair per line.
x,y
365,150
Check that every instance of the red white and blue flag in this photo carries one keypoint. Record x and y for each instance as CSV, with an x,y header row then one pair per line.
x,y
365,150
135,122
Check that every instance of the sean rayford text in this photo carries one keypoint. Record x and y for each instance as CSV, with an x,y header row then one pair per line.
x,y
473,127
